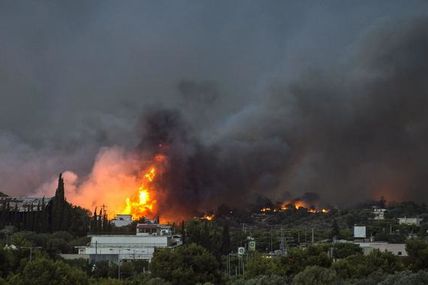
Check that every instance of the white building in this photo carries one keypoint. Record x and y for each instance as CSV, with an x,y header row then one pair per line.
x,y
359,231
379,213
410,221
122,220
24,204
398,249
142,245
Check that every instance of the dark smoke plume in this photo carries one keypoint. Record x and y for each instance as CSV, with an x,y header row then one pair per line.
x,y
359,131
266,98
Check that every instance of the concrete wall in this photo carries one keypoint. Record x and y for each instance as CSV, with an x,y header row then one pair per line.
x,y
398,249
129,241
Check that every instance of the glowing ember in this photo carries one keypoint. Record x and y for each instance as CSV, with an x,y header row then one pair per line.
x,y
208,217
296,205
312,210
143,203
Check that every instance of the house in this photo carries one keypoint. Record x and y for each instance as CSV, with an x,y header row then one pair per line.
x,y
410,221
122,220
379,213
398,249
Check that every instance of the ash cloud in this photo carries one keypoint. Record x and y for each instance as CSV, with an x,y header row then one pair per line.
x,y
357,131
269,98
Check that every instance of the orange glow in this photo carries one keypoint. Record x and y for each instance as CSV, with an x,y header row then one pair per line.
x,y
296,204
312,210
208,217
143,203
264,210
300,204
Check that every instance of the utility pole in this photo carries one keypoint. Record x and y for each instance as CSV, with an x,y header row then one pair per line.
x,y
306,240
313,236
243,266
228,264
282,247
118,265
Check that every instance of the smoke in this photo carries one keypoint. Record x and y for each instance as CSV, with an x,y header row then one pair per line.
x,y
272,99
356,131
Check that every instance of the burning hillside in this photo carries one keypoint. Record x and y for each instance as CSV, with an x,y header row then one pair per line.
x,y
296,204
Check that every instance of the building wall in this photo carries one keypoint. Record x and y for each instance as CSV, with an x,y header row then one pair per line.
x,y
129,241
398,249
123,247
409,221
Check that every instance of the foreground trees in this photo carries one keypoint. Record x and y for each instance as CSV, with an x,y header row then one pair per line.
x,y
418,254
47,271
315,275
190,264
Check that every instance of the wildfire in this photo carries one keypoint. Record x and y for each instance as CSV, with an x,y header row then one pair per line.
x,y
208,217
296,205
265,210
143,203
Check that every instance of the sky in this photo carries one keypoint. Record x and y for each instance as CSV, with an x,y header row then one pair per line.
x,y
278,98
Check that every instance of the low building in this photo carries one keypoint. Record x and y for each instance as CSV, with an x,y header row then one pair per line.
x,y
410,221
122,220
116,248
398,249
379,213
24,204
359,232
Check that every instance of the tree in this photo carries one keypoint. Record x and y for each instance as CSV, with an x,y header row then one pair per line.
x,y
258,265
359,266
418,253
225,241
261,280
335,231
315,275
100,269
342,250
406,277
189,264
297,259
46,271
206,234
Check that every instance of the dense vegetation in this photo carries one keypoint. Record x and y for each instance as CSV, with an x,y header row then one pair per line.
x,y
209,255
55,215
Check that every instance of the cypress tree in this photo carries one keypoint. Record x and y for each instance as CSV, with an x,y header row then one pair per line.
x,y
58,206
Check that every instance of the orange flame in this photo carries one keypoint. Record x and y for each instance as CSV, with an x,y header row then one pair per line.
x,y
143,203
208,217
300,204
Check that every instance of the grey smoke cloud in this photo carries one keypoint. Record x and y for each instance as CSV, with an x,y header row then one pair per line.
x,y
274,97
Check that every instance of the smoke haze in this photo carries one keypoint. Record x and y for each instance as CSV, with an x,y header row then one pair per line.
x,y
273,97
